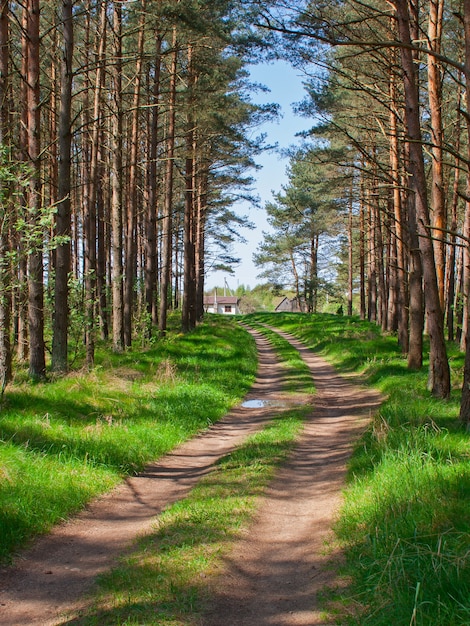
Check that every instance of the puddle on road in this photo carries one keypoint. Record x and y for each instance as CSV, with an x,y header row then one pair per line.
x,y
255,404
259,404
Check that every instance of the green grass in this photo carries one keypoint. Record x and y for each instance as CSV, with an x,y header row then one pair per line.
x,y
404,528
297,373
65,441
166,581
405,524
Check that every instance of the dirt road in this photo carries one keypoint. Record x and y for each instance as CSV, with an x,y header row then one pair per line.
x,y
272,576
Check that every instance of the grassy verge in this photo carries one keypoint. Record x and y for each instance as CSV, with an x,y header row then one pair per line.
x,y
405,525
68,440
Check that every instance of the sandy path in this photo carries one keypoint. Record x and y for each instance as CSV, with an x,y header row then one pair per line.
x,y
273,578
275,573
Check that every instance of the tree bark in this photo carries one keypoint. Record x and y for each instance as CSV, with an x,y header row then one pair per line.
x,y
151,256
362,256
439,372
438,203
451,263
117,278
350,251
37,358
465,401
188,310
398,228
90,207
167,231
131,230
200,236
5,205
372,260
63,216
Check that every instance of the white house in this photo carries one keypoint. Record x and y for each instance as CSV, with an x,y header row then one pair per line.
x,y
226,305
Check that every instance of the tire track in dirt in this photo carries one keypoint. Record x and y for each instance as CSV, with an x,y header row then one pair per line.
x,y
50,579
273,576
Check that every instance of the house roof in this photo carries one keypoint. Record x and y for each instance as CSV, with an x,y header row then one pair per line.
x,y
221,299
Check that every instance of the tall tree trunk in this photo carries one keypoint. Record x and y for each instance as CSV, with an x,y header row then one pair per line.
x,y
5,206
439,372
63,216
37,358
200,237
438,204
188,310
313,274
90,208
398,227
451,263
350,250
465,402
151,213
102,222
117,192
131,230
362,255
372,260
379,252
165,282
22,286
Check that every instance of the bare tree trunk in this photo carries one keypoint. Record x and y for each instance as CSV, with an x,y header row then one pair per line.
x,y
439,372
151,214
362,256
438,204
5,206
131,248
312,300
37,359
379,253
372,260
398,228
350,251
465,402
188,310
451,262
63,216
90,207
102,227
165,283
117,193
416,304
200,238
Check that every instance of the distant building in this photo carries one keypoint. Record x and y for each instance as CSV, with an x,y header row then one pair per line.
x,y
226,305
291,305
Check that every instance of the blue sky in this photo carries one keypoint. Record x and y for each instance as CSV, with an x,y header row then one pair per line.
x,y
285,85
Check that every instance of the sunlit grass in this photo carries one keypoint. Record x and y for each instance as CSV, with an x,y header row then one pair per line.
x,y
67,440
168,578
405,524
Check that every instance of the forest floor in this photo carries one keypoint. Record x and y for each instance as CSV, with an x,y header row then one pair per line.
x,y
275,571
